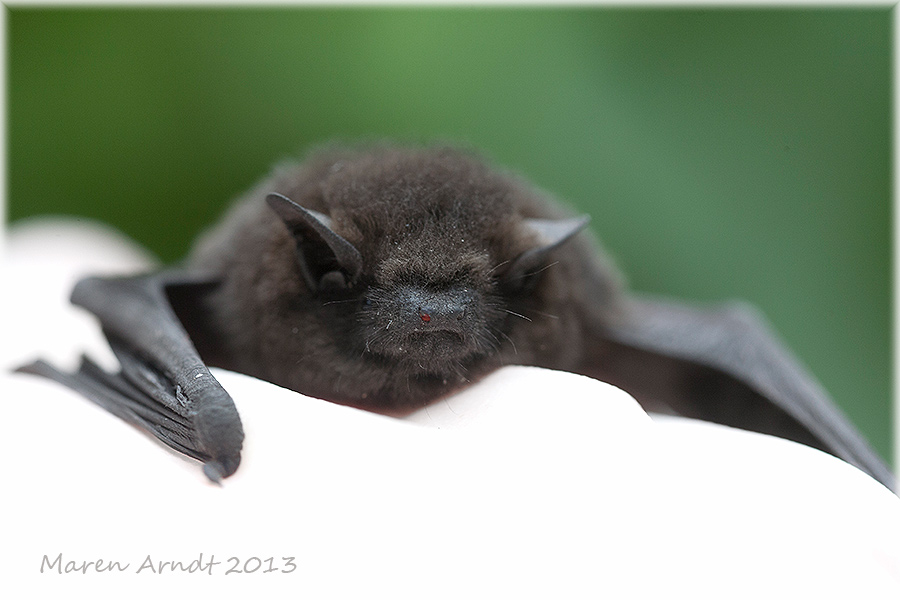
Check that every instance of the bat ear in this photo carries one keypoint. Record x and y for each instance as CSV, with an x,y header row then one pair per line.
x,y
551,234
326,259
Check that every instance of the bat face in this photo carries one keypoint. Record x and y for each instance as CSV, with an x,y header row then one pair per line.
x,y
422,310
432,323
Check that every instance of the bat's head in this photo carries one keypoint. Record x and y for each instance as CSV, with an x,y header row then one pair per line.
x,y
422,264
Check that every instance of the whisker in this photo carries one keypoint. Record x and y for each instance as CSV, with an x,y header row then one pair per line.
x,y
512,343
542,269
449,407
515,314
496,342
543,314
498,266
339,301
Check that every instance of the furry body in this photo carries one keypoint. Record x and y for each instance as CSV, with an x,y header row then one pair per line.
x,y
432,220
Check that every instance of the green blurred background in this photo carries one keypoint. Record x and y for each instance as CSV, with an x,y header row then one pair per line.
x,y
722,153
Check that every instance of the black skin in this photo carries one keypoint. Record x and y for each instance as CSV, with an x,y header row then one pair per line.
x,y
387,277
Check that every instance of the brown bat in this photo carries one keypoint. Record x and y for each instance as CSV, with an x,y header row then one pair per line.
x,y
386,277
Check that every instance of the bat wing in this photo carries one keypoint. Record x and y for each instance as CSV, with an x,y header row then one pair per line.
x,y
163,386
725,365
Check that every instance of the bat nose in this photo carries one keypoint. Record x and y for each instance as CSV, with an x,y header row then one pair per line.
x,y
441,314
443,310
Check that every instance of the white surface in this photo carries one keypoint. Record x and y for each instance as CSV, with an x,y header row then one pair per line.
x,y
530,484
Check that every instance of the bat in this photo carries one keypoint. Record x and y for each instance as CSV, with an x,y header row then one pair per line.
x,y
386,277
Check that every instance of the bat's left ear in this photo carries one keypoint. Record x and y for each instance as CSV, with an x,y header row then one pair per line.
x,y
326,259
551,234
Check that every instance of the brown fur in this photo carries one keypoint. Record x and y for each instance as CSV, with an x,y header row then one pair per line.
x,y
434,220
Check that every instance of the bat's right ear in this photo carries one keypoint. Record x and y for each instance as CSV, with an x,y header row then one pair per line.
x,y
550,233
326,259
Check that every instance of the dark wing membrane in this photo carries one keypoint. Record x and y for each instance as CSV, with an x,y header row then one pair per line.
x,y
118,394
163,386
725,365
